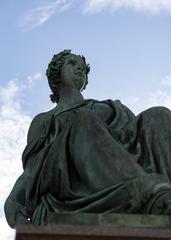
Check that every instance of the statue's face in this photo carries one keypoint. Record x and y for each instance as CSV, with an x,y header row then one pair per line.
x,y
73,72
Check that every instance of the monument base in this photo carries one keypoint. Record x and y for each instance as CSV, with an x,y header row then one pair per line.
x,y
98,227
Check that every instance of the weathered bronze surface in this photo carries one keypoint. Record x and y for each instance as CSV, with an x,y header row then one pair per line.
x,y
89,156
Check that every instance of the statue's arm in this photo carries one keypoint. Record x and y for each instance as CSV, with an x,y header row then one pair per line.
x,y
14,207
36,127
15,204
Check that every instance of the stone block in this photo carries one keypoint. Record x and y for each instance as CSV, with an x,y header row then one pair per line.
x,y
98,227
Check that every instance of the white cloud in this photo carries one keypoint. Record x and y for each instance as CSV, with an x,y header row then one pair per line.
x,y
166,80
159,98
156,98
14,123
32,78
152,6
9,92
5,232
48,8
41,14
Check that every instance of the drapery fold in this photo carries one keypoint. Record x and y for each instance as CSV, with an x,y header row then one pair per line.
x,y
96,157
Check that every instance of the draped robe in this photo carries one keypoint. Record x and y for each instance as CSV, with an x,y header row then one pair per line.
x,y
92,157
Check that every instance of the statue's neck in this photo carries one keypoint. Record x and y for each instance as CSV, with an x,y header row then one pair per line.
x,y
68,95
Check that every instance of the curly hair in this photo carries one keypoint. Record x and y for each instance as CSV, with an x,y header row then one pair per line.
x,y
54,69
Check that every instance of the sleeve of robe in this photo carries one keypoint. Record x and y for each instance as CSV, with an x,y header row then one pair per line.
x,y
15,204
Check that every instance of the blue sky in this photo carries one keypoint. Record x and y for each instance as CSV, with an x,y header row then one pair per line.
x,y
126,42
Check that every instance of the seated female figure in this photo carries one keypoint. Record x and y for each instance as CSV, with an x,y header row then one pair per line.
x,y
91,156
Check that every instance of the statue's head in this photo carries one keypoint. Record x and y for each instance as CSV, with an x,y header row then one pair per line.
x,y
55,67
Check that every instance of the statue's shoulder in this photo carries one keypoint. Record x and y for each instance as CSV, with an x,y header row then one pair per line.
x,y
106,104
115,107
105,109
39,123
41,118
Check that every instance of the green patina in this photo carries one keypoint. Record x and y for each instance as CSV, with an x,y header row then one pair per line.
x,y
89,156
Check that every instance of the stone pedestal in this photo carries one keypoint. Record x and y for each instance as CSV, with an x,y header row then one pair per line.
x,y
98,227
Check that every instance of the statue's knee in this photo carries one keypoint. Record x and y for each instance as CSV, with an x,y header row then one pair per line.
x,y
156,115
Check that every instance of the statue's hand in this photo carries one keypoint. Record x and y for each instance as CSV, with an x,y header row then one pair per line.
x,y
15,213
162,205
22,219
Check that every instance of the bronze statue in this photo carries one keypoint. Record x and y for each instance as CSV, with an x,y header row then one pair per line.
x,y
91,156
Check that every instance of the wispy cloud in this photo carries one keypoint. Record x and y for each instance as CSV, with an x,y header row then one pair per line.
x,y
166,80
42,13
152,6
48,8
31,79
156,98
159,97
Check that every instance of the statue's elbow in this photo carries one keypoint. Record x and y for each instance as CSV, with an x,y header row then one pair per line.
x,y
9,213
